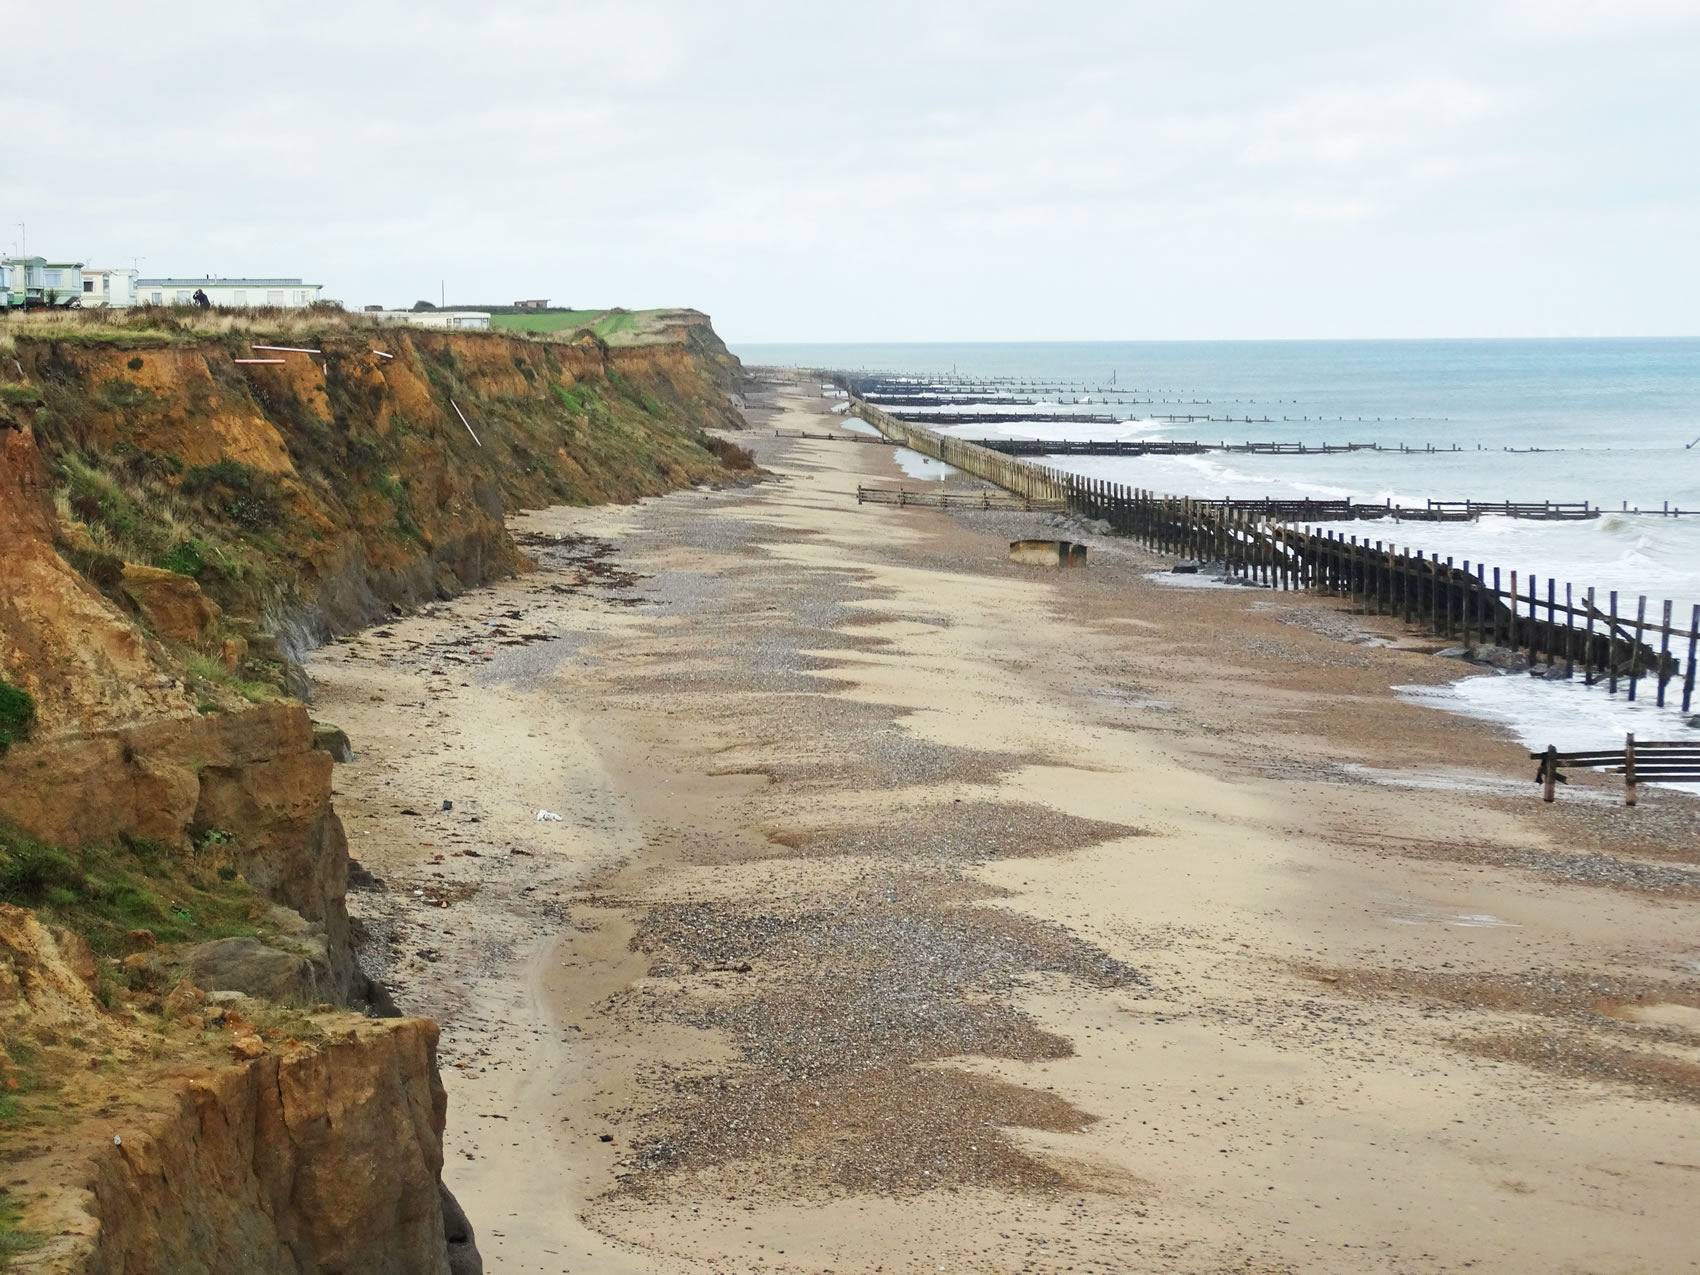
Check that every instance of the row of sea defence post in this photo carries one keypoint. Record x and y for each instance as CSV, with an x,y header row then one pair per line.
x,y
1488,609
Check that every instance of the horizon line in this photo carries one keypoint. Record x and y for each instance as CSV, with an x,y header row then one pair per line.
x,y
1213,340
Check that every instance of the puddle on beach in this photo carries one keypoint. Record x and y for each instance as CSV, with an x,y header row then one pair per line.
x,y
915,465
1130,699
1403,911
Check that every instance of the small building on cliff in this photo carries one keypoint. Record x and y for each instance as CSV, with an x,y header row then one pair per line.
x,y
433,318
285,294
33,281
114,289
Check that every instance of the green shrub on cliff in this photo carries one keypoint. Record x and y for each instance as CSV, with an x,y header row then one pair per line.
x,y
187,558
105,892
250,498
97,499
231,474
120,395
17,714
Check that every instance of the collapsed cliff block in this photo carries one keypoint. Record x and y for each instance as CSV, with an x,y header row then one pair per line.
x,y
313,1155
332,740
252,968
172,605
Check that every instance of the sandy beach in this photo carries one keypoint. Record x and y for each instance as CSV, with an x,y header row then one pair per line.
x,y
913,910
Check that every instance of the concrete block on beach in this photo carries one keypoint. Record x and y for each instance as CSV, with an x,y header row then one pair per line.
x,y
1047,553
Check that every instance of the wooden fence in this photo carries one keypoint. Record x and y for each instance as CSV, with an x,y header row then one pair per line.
x,y
1663,762
1261,543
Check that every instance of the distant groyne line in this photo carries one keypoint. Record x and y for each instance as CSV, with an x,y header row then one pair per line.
x,y
1256,543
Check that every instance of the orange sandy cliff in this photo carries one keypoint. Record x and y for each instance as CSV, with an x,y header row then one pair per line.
x,y
177,528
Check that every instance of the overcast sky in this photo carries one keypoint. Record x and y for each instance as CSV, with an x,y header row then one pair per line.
x,y
924,170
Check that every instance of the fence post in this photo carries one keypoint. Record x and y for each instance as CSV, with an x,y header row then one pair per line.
x,y
1664,653
1629,769
1588,641
1569,634
1635,651
1693,644
1551,639
1534,625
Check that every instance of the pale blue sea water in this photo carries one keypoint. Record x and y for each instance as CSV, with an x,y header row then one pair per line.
x,y
1624,416
1622,411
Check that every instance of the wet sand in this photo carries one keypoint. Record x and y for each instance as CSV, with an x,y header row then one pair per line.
x,y
914,910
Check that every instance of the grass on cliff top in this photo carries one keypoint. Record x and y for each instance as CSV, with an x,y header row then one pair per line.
x,y
546,321
157,326
103,892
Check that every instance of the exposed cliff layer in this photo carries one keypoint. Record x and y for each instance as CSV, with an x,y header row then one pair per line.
x,y
177,522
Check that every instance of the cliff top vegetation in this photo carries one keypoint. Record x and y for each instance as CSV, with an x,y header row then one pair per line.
x,y
182,325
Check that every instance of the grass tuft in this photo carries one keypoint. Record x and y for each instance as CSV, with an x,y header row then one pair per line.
x,y
17,714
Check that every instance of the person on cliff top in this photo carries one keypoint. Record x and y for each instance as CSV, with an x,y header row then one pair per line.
x,y
202,300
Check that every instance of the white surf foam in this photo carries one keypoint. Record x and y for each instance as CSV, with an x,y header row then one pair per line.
x,y
1568,714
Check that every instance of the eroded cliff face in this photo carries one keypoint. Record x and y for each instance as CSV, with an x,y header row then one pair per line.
x,y
174,527
218,1140
316,1157
321,489
177,525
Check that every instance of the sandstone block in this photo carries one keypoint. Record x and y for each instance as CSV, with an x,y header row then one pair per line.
x,y
248,966
172,604
332,740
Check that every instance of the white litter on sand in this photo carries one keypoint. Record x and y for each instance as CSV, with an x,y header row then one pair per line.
x,y
548,816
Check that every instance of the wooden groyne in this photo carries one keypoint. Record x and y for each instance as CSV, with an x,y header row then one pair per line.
x,y
938,498
1556,628
877,439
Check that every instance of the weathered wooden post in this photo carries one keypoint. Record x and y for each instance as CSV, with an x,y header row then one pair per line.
x,y
1664,654
1482,604
1693,646
1549,772
1534,624
1432,569
1551,639
1611,646
1588,641
1451,596
1629,769
1569,634
1635,651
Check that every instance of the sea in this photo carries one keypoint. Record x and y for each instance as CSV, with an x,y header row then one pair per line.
x,y
1613,422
